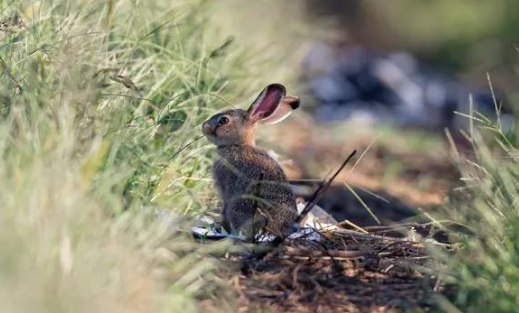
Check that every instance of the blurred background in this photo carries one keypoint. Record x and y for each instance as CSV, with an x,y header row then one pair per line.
x,y
405,79
101,102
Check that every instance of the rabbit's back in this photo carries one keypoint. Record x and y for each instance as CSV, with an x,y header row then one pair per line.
x,y
246,172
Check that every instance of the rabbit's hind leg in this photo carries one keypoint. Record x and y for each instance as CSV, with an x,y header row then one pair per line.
x,y
224,221
241,218
281,221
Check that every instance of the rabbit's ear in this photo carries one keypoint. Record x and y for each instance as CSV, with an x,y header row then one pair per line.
x,y
267,102
287,105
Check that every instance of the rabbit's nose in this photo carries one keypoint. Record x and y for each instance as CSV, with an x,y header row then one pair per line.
x,y
207,129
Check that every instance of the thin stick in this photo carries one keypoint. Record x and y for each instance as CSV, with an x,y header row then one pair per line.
x,y
357,227
386,238
320,191
316,196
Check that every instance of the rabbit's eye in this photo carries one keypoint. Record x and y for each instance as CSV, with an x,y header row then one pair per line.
x,y
223,120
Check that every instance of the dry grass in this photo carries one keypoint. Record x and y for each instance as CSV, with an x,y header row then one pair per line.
x,y
97,99
346,271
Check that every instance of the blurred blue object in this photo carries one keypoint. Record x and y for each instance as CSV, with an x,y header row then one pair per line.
x,y
394,88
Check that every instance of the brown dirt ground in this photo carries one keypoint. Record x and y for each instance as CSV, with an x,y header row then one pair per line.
x,y
346,271
350,271
422,178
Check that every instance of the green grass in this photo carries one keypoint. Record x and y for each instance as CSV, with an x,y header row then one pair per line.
x,y
100,103
485,269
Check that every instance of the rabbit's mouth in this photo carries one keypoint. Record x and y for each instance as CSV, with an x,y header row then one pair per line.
x,y
209,132
207,129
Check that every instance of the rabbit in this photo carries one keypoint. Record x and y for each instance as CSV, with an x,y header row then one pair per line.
x,y
254,189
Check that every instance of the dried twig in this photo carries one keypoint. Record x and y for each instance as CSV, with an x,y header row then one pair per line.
x,y
316,196
384,238
357,227
374,273
320,191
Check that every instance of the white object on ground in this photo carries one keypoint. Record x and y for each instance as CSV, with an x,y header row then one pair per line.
x,y
316,220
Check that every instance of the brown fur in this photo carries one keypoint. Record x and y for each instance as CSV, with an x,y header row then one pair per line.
x,y
255,191
252,185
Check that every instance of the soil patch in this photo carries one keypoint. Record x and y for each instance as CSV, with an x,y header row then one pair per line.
x,y
346,271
